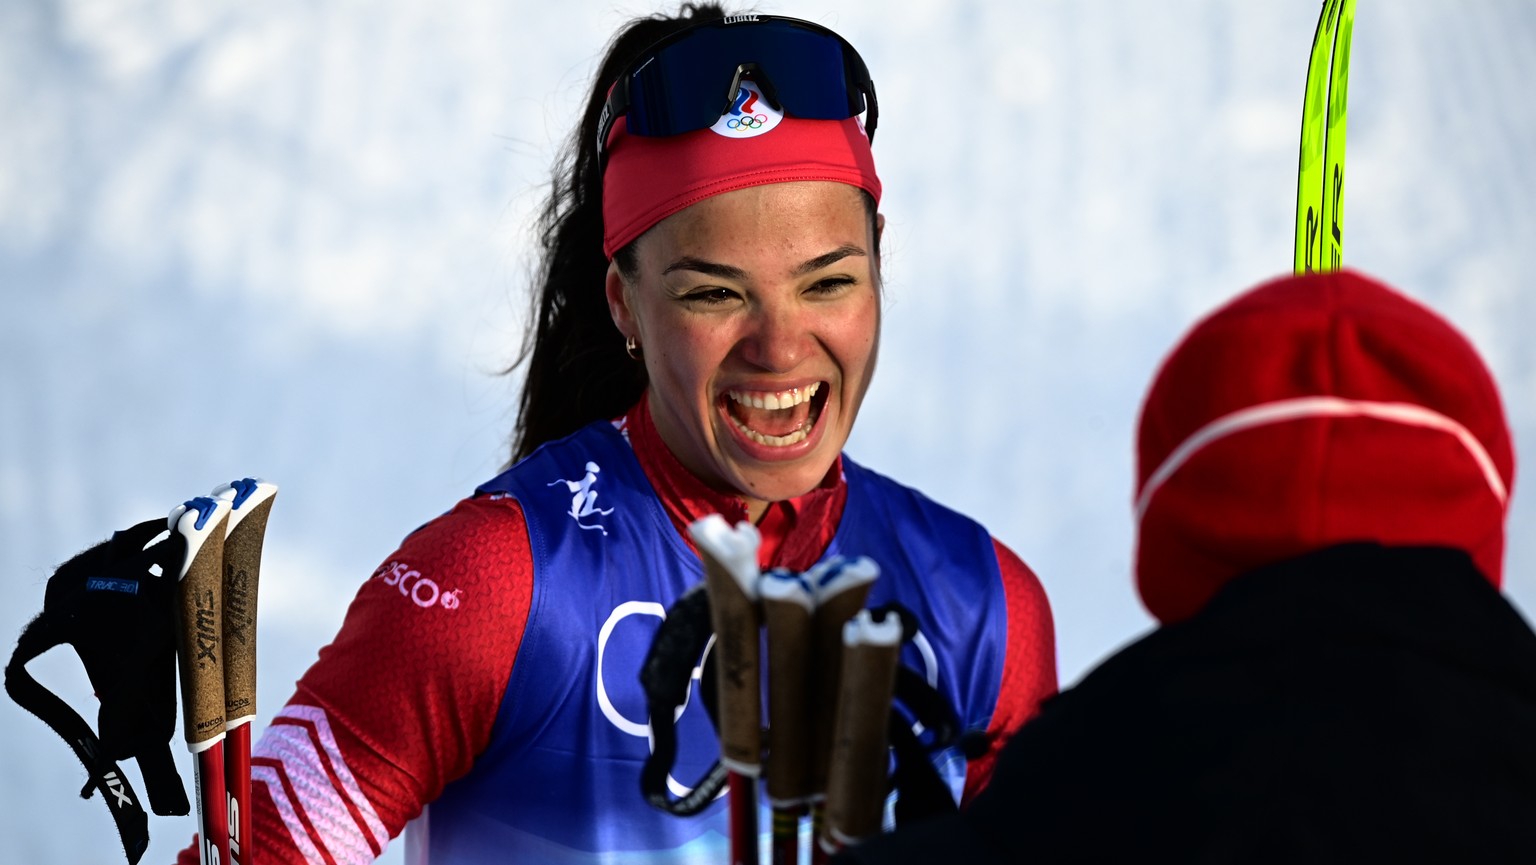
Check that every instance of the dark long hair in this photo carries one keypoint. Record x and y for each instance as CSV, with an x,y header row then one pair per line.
x,y
578,371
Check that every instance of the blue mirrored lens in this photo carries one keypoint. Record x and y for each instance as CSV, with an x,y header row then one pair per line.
x,y
686,85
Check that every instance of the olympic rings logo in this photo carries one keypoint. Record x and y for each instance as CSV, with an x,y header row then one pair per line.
x,y
750,121
641,729
748,116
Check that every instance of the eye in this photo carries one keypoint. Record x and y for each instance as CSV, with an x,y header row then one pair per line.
x,y
832,285
710,296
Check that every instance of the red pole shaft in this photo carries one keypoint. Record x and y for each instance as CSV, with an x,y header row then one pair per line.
x,y
212,802
744,838
237,781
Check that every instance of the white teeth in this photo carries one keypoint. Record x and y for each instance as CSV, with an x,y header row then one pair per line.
x,y
772,441
775,401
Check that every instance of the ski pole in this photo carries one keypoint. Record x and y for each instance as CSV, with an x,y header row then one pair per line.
x,y
788,610
856,783
250,501
730,576
1319,244
841,588
202,523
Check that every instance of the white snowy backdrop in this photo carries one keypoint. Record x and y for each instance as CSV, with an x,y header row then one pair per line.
x,y
291,239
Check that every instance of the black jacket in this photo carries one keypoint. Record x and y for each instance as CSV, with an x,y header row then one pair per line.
x,y
1359,704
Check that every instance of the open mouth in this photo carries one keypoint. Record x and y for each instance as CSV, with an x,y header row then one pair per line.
x,y
776,418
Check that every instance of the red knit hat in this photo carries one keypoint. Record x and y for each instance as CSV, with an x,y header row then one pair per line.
x,y
1312,411
650,178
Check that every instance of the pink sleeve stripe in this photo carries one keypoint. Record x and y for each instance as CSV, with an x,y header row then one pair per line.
x,y
302,745
300,832
345,790
319,726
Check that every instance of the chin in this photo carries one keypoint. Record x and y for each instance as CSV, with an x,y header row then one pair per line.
x,y
785,482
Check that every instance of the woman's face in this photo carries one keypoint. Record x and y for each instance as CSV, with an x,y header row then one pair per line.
x,y
758,312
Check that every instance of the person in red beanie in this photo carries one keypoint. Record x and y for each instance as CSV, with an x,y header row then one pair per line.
x,y
706,325
1324,470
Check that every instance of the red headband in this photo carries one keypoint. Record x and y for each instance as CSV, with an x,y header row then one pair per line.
x,y
651,178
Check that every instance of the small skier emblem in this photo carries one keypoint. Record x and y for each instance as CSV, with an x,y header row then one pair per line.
x,y
584,498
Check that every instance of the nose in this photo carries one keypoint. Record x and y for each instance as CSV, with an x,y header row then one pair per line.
x,y
779,337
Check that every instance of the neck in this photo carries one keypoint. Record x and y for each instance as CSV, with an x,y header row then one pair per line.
x,y
756,509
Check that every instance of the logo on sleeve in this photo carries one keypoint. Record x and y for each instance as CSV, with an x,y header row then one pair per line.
x,y
423,592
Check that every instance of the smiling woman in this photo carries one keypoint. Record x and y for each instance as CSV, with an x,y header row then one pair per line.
x,y
762,310
708,323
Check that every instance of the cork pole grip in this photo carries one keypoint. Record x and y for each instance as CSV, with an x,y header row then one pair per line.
x,y
842,588
736,623
251,502
788,616
242,573
730,577
199,619
856,786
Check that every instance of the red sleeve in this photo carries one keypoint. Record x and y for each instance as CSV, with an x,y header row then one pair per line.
x,y
403,700
1029,665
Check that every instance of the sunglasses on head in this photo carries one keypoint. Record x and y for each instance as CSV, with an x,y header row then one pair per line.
x,y
688,80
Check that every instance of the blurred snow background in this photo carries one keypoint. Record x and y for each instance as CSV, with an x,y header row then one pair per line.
x,y
290,239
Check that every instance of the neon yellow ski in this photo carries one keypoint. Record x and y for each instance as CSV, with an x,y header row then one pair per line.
x,y
1320,179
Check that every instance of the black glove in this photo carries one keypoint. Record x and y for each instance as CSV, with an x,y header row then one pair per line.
x,y
114,604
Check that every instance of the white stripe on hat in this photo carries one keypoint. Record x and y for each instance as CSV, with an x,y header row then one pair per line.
x,y
1303,408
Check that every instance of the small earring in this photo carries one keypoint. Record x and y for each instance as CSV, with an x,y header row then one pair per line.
x,y
632,348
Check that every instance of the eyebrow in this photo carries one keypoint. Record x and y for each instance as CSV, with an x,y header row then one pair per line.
x,y
727,271
708,268
829,259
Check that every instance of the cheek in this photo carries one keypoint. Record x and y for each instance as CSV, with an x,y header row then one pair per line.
x,y
688,357
858,335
